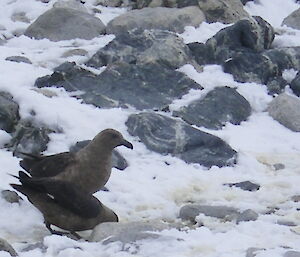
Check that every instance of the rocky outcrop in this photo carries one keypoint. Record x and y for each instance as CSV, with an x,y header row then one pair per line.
x,y
219,106
149,86
156,18
62,23
169,136
9,112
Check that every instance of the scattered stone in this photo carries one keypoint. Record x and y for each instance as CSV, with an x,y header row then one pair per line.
x,y
29,138
252,251
10,196
221,105
18,59
38,245
20,17
286,223
224,11
9,112
276,85
118,161
142,47
278,166
245,185
169,136
291,254
293,20
149,86
247,215
191,211
286,110
5,246
296,198
129,232
58,24
295,84
161,18
74,52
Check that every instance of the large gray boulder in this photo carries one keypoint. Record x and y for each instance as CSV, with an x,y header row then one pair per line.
x,y
293,20
225,11
170,136
162,18
149,86
142,47
64,24
286,110
219,106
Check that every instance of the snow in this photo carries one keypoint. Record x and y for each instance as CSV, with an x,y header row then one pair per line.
x,y
149,188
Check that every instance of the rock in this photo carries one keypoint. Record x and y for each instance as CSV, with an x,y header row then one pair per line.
x,y
29,138
142,47
129,232
169,136
58,24
276,85
9,112
156,18
5,246
291,254
293,20
20,17
247,215
109,3
169,3
296,198
73,52
72,4
149,86
286,223
118,161
18,59
251,67
224,11
39,245
245,1
286,110
278,166
245,185
191,211
10,196
295,84
252,251
221,105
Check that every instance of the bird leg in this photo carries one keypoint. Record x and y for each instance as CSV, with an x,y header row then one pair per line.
x,y
61,233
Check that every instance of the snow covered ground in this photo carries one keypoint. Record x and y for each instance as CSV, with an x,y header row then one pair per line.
x,y
134,195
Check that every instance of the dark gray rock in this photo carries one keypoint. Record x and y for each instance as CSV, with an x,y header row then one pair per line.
x,y
278,166
19,17
251,67
18,59
245,1
169,136
64,24
38,245
156,18
203,53
191,211
10,196
225,11
150,86
291,254
5,246
245,185
293,20
9,112
221,105
286,110
29,138
295,84
252,251
118,161
142,47
163,3
247,215
276,85
296,198
109,232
